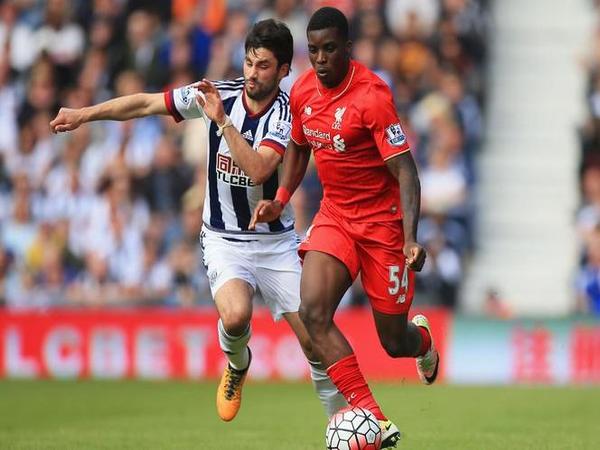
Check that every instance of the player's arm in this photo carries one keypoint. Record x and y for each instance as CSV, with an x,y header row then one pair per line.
x,y
403,167
120,108
295,163
258,165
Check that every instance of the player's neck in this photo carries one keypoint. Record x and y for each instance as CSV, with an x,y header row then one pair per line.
x,y
258,107
346,71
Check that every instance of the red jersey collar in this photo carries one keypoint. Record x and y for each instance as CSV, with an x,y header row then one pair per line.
x,y
249,112
337,91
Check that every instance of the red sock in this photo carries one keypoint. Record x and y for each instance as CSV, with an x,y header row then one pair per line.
x,y
425,341
349,380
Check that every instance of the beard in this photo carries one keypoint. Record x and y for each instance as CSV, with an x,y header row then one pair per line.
x,y
260,91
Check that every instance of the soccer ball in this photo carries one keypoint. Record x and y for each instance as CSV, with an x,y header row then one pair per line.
x,y
353,428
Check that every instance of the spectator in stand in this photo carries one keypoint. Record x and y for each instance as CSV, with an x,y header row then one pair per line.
x,y
430,52
588,279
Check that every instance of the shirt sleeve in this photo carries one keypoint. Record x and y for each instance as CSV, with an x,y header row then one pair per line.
x,y
182,103
297,132
279,127
381,119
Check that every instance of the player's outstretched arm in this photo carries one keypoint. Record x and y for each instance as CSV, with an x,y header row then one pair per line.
x,y
404,169
120,108
295,162
258,165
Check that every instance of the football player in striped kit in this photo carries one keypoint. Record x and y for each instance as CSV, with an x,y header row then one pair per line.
x,y
249,123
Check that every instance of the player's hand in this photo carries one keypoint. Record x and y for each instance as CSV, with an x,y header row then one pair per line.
x,y
415,256
211,101
67,119
265,211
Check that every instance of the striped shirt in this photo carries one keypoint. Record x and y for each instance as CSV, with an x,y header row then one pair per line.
x,y
231,196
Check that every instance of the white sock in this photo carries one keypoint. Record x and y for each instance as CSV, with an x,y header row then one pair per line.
x,y
329,395
235,347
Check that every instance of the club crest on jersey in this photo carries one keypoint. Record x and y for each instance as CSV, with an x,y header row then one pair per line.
x,y
339,114
395,135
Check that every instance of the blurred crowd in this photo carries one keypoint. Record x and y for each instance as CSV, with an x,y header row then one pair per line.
x,y
110,214
588,214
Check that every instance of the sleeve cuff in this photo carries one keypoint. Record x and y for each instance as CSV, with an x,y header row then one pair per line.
x,y
405,148
170,104
274,145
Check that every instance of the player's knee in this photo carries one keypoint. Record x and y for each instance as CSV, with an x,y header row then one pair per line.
x,y
235,322
315,317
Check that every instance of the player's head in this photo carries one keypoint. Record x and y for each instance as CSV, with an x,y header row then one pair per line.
x,y
269,50
328,45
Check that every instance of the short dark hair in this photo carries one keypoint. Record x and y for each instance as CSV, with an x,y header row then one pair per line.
x,y
329,17
274,36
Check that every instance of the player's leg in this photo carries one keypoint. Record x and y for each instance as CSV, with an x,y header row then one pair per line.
x,y
331,263
278,275
232,285
331,399
234,303
401,338
325,279
390,287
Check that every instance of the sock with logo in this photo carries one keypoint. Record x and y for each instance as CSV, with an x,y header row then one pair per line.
x,y
348,378
235,347
329,395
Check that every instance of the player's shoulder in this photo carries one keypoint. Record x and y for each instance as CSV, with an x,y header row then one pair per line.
x,y
369,82
281,102
231,87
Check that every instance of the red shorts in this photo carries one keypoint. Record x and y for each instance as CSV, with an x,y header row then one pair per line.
x,y
372,248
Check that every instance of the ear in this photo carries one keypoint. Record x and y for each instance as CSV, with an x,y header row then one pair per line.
x,y
349,47
284,71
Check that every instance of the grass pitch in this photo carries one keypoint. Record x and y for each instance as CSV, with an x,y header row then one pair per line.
x,y
172,415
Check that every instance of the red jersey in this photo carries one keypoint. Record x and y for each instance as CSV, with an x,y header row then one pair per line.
x,y
352,130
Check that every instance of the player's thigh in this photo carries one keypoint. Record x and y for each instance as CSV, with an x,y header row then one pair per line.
x,y
330,264
387,282
232,278
278,272
325,279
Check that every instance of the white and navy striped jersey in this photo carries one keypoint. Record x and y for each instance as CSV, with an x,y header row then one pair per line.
x,y
230,194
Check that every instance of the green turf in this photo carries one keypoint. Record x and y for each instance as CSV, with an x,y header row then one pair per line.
x,y
145,415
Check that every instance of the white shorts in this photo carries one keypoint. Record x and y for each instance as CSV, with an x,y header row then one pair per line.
x,y
270,264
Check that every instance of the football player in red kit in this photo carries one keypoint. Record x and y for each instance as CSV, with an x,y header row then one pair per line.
x,y
368,218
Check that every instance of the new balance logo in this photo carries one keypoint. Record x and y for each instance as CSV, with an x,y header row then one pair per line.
x,y
248,135
307,110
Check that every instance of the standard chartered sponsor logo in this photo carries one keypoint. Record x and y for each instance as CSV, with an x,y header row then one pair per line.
x,y
308,132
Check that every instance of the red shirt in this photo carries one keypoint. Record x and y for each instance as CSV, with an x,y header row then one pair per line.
x,y
352,130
